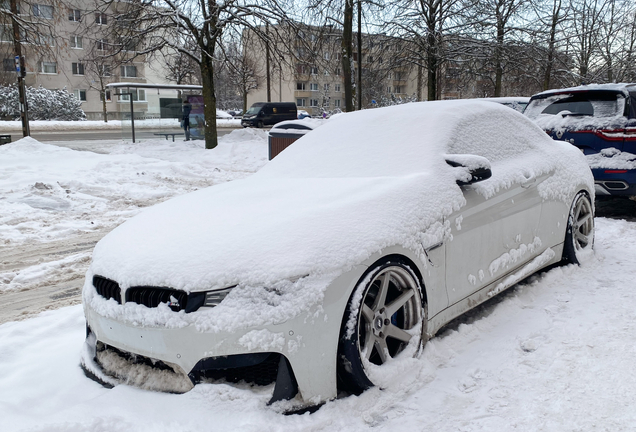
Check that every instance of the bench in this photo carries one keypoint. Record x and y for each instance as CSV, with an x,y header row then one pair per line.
x,y
166,134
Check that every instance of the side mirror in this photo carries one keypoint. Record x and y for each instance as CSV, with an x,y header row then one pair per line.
x,y
471,168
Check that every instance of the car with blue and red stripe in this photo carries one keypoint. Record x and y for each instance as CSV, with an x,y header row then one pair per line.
x,y
599,119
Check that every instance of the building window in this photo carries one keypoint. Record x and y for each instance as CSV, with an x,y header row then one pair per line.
x,y
80,94
101,96
138,95
6,5
78,68
336,103
43,39
369,59
327,56
325,87
336,87
129,71
8,65
48,67
104,70
338,72
101,44
101,18
301,102
6,33
398,89
74,15
77,42
313,102
313,86
300,86
388,89
326,72
314,70
42,11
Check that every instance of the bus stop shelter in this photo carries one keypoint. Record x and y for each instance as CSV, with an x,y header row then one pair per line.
x,y
160,110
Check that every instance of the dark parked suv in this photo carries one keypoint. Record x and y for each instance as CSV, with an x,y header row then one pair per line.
x,y
269,113
601,121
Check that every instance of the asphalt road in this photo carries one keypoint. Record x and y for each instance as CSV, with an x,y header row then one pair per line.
x,y
140,134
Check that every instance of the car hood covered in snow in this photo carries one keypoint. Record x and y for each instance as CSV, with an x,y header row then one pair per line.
x,y
259,232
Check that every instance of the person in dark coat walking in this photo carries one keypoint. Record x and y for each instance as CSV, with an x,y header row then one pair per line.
x,y
185,120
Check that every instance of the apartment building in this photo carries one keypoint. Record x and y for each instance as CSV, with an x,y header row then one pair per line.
x,y
75,45
305,67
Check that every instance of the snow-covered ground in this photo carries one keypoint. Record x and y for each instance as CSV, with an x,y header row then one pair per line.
x,y
553,354
58,125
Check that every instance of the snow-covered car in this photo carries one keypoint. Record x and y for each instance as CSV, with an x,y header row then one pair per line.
x,y
302,114
223,115
599,119
331,266
517,103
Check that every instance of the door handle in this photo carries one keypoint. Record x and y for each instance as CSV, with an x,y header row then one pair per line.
x,y
528,182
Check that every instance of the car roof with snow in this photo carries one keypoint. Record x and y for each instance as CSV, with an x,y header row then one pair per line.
x,y
406,139
624,88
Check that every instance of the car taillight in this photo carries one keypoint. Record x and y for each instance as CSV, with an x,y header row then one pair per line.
x,y
615,171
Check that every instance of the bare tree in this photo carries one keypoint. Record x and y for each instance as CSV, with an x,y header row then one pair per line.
x,y
425,23
498,17
244,73
168,24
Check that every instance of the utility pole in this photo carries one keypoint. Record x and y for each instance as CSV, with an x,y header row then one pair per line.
x,y
359,83
20,69
267,66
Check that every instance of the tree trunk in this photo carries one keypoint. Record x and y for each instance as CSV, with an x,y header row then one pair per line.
x,y
499,60
209,101
431,66
419,83
347,52
359,80
267,66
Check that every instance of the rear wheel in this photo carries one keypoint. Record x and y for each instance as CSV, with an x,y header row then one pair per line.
x,y
579,237
384,317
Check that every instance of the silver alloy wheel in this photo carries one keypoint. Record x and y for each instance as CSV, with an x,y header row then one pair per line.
x,y
582,221
390,307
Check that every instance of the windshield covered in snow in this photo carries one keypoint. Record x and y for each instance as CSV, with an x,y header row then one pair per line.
x,y
593,104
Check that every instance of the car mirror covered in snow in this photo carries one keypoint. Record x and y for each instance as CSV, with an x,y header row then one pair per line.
x,y
472,168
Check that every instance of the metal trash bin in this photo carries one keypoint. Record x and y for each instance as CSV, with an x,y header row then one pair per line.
x,y
5,139
283,134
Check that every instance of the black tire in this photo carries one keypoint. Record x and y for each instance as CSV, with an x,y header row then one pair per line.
x,y
579,235
373,328
260,124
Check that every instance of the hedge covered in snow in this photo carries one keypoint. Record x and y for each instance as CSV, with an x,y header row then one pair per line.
x,y
43,104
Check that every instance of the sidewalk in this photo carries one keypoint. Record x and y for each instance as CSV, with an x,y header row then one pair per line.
x,y
55,125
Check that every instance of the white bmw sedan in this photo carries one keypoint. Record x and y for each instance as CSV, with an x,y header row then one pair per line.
x,y
340,258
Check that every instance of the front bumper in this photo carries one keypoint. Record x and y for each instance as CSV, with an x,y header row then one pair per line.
x,y
308,343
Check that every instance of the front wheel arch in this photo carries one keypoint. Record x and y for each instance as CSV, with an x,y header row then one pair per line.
x,y
360,337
